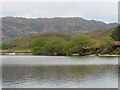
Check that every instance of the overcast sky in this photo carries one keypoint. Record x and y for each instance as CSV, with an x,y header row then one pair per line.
x,y
101,11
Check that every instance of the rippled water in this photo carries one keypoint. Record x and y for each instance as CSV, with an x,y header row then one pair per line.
x,y
60,72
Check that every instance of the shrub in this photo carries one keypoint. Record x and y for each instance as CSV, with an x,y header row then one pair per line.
x,y
7,45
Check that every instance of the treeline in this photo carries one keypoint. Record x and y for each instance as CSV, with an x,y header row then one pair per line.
x,y
7,45
78,44
116,33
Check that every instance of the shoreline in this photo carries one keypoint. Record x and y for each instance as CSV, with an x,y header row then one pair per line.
x,y
15,54
105,55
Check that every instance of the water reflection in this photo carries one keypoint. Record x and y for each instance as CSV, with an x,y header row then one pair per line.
x,y
84,76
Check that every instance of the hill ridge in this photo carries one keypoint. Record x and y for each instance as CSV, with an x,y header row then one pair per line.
x,y
18,27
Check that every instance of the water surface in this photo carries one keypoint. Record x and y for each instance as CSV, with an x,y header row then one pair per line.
x,y
60,72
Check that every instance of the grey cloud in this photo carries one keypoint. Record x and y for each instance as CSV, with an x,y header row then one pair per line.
x,y
104,11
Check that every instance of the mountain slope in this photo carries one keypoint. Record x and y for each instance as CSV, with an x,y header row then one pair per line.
x,y
23,43
98,34
14,27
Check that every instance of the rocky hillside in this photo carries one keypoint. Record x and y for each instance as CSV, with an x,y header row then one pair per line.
x,y
14,27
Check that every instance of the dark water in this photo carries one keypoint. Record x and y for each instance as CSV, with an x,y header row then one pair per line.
x,y
60,72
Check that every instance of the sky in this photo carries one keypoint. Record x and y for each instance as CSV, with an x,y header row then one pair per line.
x,y
101,11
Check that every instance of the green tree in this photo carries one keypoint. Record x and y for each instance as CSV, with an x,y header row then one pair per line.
x,y
116,33
7,45
78,44
106,44
37,45
61,46
54,46
69,48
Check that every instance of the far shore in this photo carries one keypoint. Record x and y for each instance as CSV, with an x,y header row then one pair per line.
x,y
97,55
29,53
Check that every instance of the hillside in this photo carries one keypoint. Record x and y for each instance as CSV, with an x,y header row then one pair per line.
x,y
98,34
23,43
18,27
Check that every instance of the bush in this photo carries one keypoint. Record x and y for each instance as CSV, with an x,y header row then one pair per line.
x,y
37,45
54,46
106,45
116,33
79,44
7,45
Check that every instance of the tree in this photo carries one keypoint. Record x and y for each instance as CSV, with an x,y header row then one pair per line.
x,y
37,45
106,44
54,46
78,44
69,48
7,45
116,33
61,46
